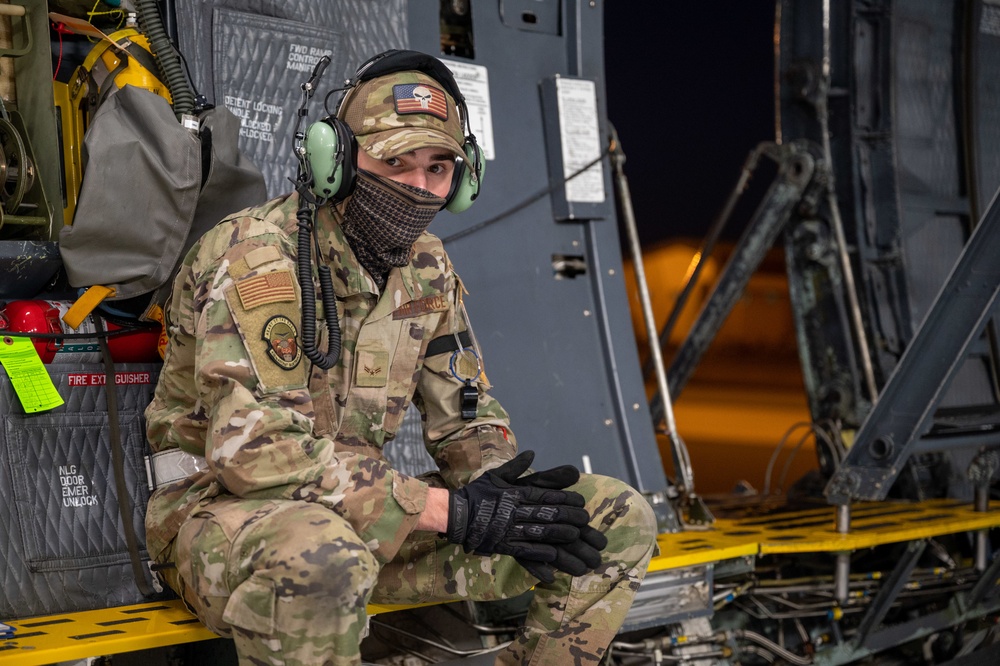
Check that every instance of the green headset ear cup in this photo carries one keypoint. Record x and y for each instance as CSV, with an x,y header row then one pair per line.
x,y
323,142
467,180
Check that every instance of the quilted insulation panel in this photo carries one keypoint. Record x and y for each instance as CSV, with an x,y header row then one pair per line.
x,y
253,57
61,540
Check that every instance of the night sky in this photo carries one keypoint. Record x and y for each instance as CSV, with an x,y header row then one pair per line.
x,y
690,91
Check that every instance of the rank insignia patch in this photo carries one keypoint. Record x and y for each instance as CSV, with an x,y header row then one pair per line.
x,y
281,337
372,366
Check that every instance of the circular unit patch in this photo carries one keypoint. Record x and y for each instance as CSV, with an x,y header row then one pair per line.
x,y
281,337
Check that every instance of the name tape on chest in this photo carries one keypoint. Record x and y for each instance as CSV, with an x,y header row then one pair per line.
x,y
436,303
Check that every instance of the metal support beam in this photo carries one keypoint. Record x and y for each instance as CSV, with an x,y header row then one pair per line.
x,y
987,583
982,536
910,630
887,595
925,625
797,167
906,406
842,577
842,569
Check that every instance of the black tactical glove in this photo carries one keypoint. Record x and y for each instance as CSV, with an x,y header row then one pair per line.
x,y
575,558
531,519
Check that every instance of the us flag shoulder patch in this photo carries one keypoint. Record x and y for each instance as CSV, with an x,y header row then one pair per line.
x,y
420,98
271,287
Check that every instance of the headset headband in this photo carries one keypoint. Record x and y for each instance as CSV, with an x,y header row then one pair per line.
x,y
400,60
397,60
469,163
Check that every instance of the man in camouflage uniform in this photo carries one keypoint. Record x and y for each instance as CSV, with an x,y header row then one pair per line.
x,y
287,519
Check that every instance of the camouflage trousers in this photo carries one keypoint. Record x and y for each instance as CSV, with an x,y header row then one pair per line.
x,y
289,581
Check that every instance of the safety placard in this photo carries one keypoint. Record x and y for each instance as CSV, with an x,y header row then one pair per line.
x,y
580,137
474,82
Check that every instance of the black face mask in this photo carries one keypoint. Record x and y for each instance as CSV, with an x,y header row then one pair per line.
x,y
383,219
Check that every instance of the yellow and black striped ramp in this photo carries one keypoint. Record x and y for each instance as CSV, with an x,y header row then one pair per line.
x,y
814,531
54,638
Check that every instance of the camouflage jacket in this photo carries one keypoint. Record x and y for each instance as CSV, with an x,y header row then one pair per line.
x,y
236,388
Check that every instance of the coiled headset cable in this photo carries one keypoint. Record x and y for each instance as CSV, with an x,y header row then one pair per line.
x,y
306,219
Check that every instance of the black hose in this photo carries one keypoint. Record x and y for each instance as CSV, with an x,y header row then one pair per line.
x,y
171,68
303,265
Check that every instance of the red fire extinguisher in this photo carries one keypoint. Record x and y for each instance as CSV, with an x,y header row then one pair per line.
x,y
37,316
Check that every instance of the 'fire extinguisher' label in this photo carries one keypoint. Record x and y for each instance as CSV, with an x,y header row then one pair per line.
x,y
100,379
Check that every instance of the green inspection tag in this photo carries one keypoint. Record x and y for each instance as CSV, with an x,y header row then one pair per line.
x,y
31,382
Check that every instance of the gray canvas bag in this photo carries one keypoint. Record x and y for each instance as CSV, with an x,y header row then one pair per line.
x,y
150,189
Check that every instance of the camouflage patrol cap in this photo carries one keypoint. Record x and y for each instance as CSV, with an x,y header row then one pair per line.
x,y
400,112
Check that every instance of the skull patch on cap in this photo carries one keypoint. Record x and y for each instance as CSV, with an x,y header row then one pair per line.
x,y
420,98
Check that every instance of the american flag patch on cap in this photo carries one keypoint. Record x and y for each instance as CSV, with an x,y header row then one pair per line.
x,y
420,98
